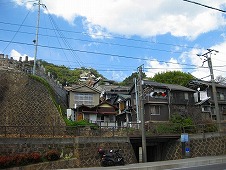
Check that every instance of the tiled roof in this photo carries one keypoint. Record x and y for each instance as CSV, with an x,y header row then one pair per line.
x,y
168,86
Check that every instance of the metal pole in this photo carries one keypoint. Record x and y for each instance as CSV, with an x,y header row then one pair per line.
x,y
36,40
144,147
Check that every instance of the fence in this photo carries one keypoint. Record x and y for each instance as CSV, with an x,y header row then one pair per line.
x,y
132,129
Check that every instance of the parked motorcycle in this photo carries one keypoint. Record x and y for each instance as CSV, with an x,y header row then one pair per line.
x,y
111,158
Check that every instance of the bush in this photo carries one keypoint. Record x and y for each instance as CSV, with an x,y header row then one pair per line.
x,y
168,128
19,159
35,157
210,128
184,121
52,155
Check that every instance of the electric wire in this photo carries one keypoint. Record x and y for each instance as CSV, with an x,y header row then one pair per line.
x,y
16,32
106,43
116,37
105,54
206,6
64,39
99,53
55,31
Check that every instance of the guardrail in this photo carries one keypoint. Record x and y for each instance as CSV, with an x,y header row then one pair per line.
x,y
131,129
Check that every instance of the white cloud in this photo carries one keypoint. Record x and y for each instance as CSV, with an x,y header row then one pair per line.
x,y
29,4
16,55
140,17
118,75
155,66
218,61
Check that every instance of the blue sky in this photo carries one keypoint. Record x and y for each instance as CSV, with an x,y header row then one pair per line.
x,y
115,37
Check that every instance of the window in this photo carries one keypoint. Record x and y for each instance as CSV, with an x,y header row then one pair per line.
x,y
186,96
112,118
220,96
84,98
86,116
155,110
100,118
206,109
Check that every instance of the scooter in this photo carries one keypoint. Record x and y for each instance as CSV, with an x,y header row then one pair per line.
x,y
111,158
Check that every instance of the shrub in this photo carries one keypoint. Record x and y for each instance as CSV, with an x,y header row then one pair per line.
x,y
52,155
5,161
184,121
35,157
19,159
168,128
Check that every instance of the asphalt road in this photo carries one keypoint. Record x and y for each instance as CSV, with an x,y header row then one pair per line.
x,y
206,167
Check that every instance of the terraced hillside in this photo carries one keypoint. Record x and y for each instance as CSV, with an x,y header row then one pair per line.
x,y
25,101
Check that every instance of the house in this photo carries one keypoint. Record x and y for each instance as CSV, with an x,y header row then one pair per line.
x,y
103,114
110,92
204,98
84,104
123,102
81,95
162,100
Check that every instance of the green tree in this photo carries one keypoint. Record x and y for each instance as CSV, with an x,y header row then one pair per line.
x,y
173,77
66,75
129,80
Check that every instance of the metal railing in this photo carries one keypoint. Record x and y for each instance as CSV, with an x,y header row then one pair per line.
x,y
132,129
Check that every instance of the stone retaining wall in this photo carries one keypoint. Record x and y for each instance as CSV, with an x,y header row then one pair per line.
x,y
84,150
211,144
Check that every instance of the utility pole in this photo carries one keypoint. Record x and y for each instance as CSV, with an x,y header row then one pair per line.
x,y
136,95
141,112
214,91
36,39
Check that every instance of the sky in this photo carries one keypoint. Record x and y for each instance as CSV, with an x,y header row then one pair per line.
x,y
115,37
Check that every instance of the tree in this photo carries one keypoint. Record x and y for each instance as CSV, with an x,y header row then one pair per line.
x,y
129,80
173,77
220,79
66,75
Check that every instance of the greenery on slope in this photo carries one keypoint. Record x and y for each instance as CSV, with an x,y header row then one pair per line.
x,y
64,74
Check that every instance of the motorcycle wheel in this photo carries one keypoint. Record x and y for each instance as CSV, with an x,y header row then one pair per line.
x,y
110,163
122,162
103,163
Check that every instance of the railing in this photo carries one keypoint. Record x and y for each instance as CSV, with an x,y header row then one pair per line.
x,y
132,129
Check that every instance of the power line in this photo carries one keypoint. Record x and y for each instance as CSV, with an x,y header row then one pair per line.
x,y
205,6
106,43
99,53
16,31
116,55
117,37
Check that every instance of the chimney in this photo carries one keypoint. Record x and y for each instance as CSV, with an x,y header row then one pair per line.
x,y
26,58
1,56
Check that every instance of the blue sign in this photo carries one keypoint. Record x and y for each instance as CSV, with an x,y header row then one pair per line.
x,y
187,149
184,137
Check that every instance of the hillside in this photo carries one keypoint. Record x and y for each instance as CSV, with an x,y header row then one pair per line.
x,y
66,75
25,101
